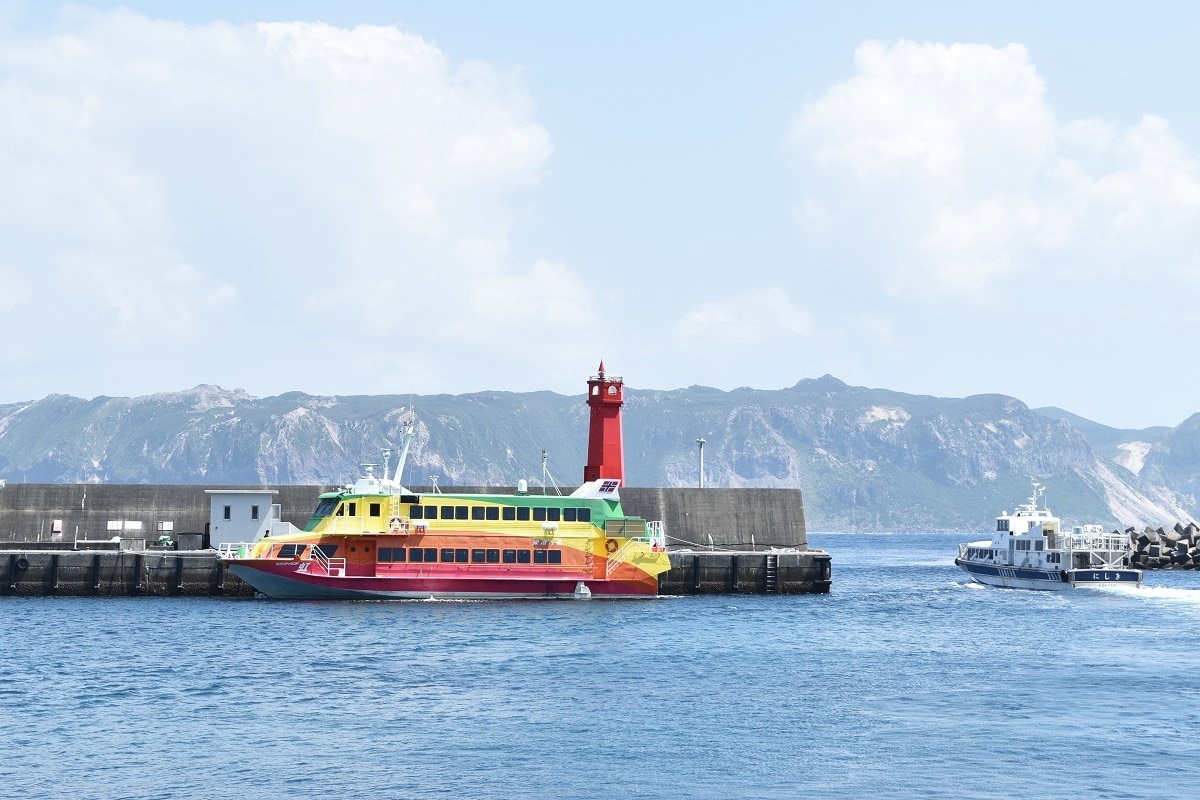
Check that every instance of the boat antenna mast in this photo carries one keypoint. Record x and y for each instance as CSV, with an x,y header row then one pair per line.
x,y
547,476
1038,491
408,435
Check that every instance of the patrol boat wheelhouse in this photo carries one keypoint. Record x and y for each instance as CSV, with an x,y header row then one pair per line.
x,y
1029,550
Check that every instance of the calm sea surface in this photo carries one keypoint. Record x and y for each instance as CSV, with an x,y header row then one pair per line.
x,y
905,681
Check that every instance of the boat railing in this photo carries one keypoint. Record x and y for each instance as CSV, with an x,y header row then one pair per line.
x,y
234,549
333,567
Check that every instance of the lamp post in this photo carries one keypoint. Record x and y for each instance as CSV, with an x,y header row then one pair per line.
x,y
700,442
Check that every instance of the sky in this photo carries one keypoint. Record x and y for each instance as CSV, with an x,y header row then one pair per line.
x,y
393,197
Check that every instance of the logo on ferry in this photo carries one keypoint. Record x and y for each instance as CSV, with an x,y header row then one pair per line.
x,y
608,487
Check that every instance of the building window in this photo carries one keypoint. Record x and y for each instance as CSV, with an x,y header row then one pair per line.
x,y
253,512
228,512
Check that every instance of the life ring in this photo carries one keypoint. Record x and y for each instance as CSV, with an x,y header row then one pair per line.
x,y
395,524
611,545
22,563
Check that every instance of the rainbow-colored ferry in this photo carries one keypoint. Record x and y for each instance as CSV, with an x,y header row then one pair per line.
x,y
375,539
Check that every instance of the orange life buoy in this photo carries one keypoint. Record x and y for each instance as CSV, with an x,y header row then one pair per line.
x,y
611,545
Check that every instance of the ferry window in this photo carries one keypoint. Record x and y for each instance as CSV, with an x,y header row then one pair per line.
x,y
430,554
568,515
555,556
228,512
460,555
414,512
460,512
417,555
341,512
510,556
354,509
447,512
523,514
1037,545
327,550
510,513
287,551
447,555
397,554
493,556
477,556
385,554
585,515
1001,524
539,515
493,512
522,556
374,509
253,512
552,514
476,512
539,556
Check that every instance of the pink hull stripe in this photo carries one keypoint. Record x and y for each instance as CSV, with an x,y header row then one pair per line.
x,y
281,580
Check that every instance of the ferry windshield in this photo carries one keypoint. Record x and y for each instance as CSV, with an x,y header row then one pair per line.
x,y
324,509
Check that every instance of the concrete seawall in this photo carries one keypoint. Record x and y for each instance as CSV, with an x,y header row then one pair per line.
x,y
737,526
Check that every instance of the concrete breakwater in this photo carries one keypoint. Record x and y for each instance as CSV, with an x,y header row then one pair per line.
x,y
1158,548
117,573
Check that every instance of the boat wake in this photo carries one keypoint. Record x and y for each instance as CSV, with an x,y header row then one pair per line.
x,y
1163,593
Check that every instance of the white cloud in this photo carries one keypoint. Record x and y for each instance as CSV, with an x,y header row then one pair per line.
x,y
750,317
944,168
306,181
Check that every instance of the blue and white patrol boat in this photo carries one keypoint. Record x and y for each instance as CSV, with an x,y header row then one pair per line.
x,y
1029,550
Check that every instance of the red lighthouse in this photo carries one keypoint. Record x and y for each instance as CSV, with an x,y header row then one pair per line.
x,y
606,458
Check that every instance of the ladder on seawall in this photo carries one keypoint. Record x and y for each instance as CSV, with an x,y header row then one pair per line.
x,y
771,575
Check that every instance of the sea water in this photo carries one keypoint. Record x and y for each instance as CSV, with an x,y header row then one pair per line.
x,y
905,681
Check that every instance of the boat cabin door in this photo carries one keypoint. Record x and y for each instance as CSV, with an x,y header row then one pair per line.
x,y
1012,550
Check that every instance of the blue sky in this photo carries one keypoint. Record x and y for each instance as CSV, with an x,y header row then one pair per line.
x,y
946,199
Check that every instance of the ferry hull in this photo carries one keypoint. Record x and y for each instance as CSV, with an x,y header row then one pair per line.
x,y
281,581
1048,580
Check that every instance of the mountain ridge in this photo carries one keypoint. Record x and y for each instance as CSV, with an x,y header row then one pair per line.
x,y
867,459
